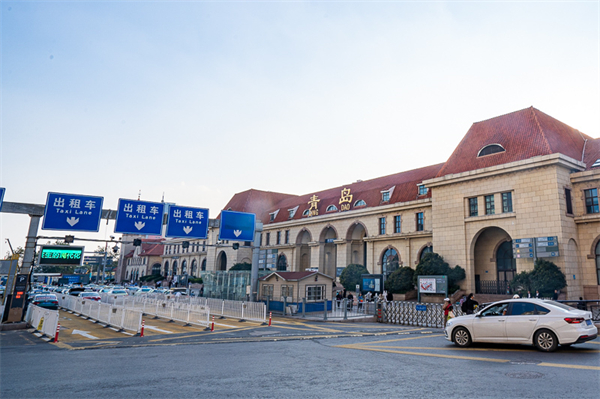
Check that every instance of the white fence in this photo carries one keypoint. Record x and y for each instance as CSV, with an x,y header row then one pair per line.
x,y
43,320
169,309
112,315
255,311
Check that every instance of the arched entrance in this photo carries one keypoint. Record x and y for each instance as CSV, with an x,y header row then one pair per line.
x,y
426,250
303,250
281,262
222,261
194,267
356,246
328,254
390,261
494,266
203,265
156,269
166,268
598,262
174,268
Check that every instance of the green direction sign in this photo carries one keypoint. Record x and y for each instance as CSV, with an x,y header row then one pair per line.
x,y
60,255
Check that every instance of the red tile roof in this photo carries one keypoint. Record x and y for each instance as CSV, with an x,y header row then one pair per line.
x,y
592,154
150,247
523,134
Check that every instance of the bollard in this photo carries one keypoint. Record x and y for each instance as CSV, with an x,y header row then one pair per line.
x,y
142,331
303,307
57,330
325,309
270,314
379,313
212,327
345,308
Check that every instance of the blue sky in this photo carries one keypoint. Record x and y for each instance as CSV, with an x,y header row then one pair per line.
x,y
201,100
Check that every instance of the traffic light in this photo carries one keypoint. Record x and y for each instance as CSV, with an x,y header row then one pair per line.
x,y
69,239
137,242
185,244
235,245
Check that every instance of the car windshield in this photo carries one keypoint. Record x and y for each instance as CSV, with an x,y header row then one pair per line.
x,y
119,292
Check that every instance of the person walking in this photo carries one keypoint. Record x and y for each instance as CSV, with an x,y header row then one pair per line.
x,y
555,295
469,304
447,309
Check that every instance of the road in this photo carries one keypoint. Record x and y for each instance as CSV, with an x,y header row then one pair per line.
x,y
293,360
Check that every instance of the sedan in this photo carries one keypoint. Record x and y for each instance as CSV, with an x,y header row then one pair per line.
x,y
49,301
545,324
90,295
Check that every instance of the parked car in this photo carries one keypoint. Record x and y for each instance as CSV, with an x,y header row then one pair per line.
x,y
118,292
543,323
143,291
49,301
90,295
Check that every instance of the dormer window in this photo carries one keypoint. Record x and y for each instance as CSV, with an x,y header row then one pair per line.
x,y
331,208
360,203
273,215
306,212
387,194
292,212
422,189
490,149
597,163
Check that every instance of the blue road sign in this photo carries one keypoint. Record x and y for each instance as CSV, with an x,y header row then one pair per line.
x,y
2,191
139,217
237,226
72,212
421,308
187,222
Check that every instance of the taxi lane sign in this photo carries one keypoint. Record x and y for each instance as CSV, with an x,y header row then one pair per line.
x,y
72,212
187,222
237,226
139,217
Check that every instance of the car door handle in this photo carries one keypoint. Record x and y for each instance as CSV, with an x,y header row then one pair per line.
x,y
500,320
532,319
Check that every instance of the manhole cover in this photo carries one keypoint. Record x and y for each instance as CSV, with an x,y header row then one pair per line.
x,y
527,375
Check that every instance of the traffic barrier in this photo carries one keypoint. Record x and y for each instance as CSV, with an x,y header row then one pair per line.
x,y
42,319
111,315
212,326
270,315
142,331
57,331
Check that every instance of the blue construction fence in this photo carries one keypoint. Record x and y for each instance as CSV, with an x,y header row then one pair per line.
x,y
277,306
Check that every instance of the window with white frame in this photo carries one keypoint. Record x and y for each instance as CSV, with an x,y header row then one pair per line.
x,y
331,208
315,292
267,291
360,203
422,189
385,196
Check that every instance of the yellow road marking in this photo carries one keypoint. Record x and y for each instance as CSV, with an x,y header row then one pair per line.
x,y
569,366
195,335
483,359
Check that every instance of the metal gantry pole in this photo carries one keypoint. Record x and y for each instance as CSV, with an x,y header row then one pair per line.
x,y
255,252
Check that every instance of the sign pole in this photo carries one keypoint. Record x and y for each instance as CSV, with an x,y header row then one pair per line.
x,y
255,253
30,244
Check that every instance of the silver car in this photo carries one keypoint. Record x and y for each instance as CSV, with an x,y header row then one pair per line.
x,y
542,323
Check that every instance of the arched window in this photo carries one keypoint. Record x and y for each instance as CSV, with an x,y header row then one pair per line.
x,y
426,250
306,212
203,266
390,261
360,203
194,267
331,208
166,268
184,267
174,268
156,269
282,263
490,149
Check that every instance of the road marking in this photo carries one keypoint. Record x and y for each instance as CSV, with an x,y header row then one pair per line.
x,y
153,328
84,334
401,339
483,359
196,334
569,366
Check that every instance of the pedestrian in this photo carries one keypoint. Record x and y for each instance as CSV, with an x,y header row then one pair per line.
x,y
390,297
537,294
469,305
350,301
581,305
368,296
528,294
360,301
447,309
338,299
555,295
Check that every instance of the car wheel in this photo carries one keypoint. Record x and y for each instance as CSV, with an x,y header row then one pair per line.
x,y
545,340
461,337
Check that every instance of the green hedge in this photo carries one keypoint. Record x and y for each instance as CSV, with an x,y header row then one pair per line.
x,y
351,276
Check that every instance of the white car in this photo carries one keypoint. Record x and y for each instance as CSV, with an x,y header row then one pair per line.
x,y
542,323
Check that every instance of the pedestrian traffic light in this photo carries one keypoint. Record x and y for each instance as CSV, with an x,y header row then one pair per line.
x,y
235,245
137,242
185,244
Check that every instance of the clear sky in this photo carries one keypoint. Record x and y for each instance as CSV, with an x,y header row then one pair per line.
x,y
201,100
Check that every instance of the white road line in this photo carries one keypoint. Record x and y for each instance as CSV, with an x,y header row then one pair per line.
x,y
37,334
153,328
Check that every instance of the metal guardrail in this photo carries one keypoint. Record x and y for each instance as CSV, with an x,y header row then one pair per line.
x,y
43,320
169,309
112,315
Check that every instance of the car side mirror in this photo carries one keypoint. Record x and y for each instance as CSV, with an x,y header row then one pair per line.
x,y
478,314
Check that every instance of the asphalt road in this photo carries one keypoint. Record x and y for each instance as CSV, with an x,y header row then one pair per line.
x,y
306,360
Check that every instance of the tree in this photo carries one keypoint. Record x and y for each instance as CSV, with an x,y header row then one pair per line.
x,y
433,264
241,266
19,251
351,276
545,278
400,281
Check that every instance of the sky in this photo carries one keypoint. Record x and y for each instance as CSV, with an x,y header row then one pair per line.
x,y
198,100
